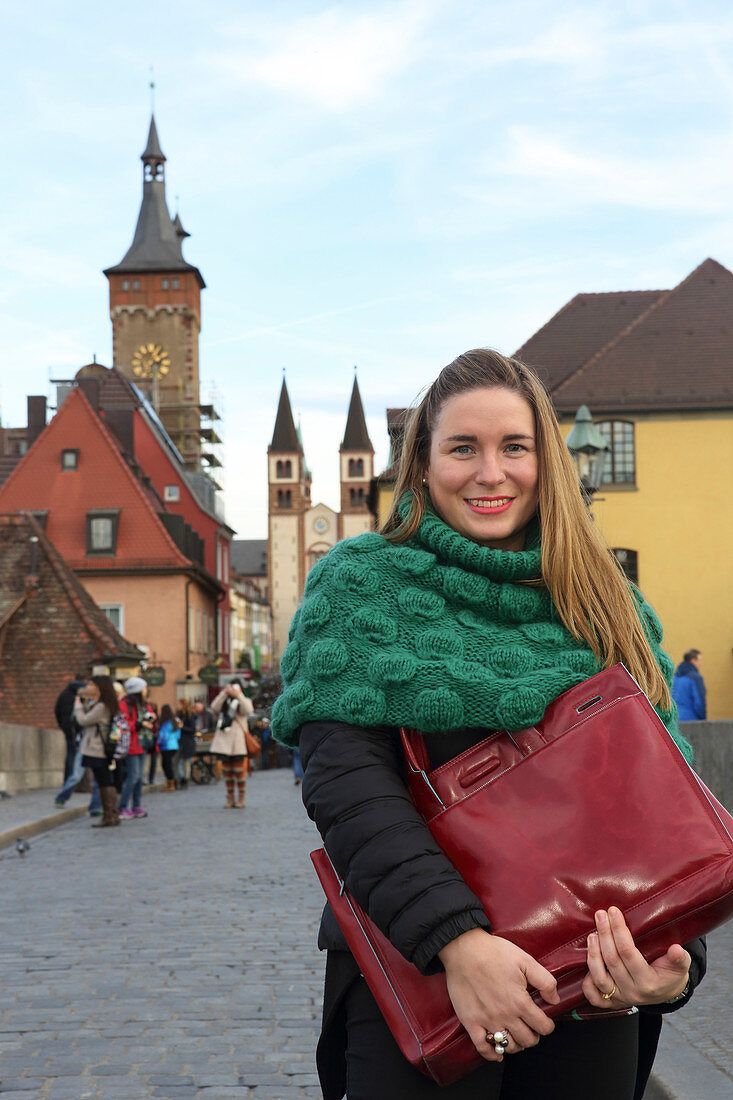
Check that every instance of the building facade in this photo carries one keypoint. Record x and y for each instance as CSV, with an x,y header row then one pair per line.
x,y
143,565
300,532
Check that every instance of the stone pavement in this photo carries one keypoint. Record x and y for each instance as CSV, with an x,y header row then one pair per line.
x,y
175,957
172,957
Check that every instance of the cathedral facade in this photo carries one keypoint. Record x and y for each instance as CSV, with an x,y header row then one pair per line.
x,y
300,532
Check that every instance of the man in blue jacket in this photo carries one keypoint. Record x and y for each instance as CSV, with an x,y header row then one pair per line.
x,y
688,688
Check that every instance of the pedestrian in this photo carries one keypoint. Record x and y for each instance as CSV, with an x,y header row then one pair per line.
x,y
688,688
229,743
153,750
141,720
187,747
64,711
169,738
488,593
204,718
94,708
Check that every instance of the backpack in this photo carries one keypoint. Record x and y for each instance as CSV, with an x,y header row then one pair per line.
x,y
118,738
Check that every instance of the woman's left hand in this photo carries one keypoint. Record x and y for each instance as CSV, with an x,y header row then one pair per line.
x,y
616,966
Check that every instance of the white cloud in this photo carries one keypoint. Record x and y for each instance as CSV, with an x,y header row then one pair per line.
x,y
336,58
561,175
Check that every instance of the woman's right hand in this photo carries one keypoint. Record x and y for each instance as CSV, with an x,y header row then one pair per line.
x,y
488,979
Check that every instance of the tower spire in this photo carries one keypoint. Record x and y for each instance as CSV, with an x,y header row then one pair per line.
x,y
158,240
356,436
153,157
285,435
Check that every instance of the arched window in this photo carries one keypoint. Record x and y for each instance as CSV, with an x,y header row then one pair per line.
x,y
356,497
284,498
356,467
629,562
620,465
284,469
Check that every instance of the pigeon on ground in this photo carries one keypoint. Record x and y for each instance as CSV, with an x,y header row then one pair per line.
x,y
22,846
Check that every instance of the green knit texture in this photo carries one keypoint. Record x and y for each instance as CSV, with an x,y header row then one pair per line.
x,y
437,634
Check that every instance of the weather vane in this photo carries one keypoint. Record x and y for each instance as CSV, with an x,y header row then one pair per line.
x,y
152,89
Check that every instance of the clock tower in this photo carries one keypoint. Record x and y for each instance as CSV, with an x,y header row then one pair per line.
x,y
155,308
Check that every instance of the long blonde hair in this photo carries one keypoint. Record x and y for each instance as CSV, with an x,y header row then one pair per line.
x,y
585,581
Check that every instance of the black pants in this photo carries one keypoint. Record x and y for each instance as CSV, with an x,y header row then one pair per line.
x,y
100,770
167,760
581,1059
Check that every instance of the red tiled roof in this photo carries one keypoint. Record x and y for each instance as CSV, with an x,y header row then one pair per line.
x,y
16,531
677,354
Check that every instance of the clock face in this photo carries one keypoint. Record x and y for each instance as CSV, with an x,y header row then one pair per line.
x,y
321,525
150,360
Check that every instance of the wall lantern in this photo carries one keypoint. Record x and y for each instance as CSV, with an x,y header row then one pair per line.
x,y
588,448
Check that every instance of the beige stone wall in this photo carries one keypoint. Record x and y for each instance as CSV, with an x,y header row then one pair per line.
x,y
176,329
284,569
154,617
356,524
31,758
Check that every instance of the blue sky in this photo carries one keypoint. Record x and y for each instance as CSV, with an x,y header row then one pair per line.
x,y
374,184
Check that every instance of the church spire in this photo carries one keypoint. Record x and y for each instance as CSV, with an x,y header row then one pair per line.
x,y
285,435
153,157
356,436
157,244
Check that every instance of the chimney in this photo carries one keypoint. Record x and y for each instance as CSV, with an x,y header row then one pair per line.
x,y
90,388
36,418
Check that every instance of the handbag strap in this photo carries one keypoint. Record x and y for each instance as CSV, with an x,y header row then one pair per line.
x,y
417,763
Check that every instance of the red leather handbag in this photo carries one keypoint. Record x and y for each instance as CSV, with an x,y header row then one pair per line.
x,y
595,806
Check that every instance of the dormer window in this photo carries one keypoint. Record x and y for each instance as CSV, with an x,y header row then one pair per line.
x,y
70,458
102,524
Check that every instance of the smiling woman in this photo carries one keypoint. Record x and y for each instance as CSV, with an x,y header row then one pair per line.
x,y
482,474
488,594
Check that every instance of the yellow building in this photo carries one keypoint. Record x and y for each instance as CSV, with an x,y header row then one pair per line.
x,y
656,370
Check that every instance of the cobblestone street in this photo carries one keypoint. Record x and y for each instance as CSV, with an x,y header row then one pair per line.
x,y
175,957
172,957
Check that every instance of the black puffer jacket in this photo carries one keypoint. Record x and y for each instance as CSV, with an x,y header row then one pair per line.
x,y
380,845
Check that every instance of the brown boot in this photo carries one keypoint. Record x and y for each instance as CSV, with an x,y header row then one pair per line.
x,y
170,785
109,817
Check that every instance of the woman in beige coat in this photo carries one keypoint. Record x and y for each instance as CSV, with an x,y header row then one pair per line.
x,y
94,708
229,744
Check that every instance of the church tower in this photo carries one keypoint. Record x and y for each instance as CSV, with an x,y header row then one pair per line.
x,y
356,456
155,308
289,485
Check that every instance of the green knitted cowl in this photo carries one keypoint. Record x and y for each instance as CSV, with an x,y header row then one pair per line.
x,y
438,634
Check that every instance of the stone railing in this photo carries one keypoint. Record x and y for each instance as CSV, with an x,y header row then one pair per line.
x,y
713,745
30,758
